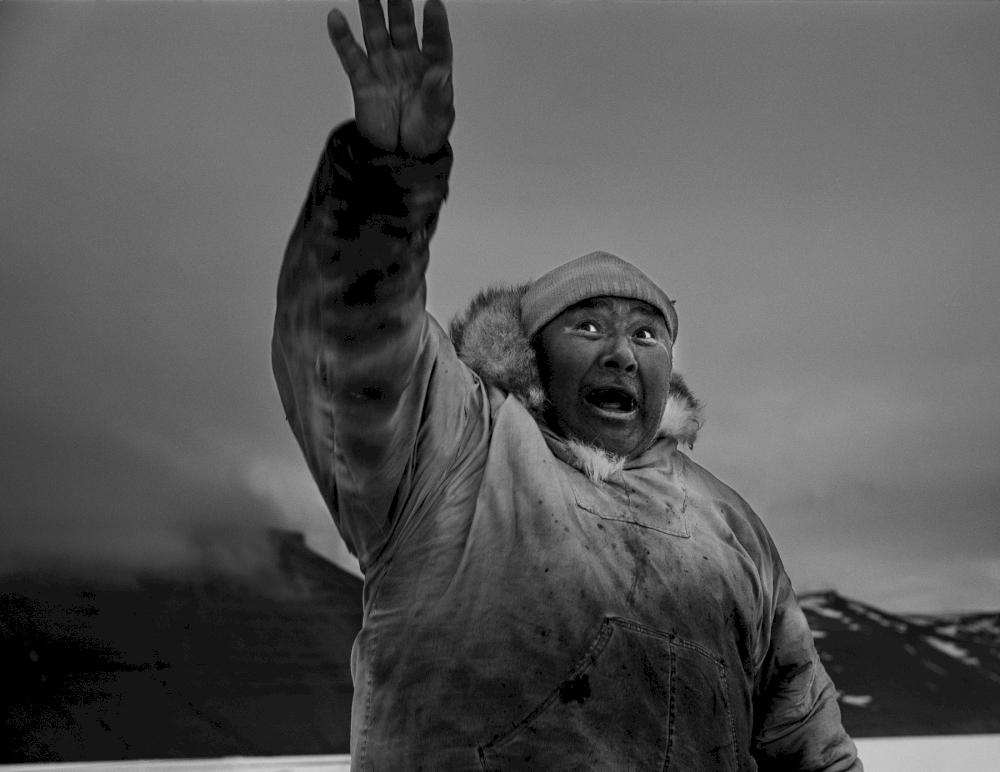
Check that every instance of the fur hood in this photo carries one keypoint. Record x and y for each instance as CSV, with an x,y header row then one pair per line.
x,y
489,338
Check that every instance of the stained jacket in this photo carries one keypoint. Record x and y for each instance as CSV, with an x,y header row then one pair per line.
x,y
520,614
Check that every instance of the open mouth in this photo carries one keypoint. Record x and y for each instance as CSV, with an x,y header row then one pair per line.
x,y
612,400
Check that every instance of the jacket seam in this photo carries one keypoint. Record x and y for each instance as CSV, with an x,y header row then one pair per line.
x,y
368,700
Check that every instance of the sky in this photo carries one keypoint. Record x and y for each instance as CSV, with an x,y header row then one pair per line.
x,y
816,183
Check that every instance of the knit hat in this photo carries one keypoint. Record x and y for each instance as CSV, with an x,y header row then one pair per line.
x,y
595,275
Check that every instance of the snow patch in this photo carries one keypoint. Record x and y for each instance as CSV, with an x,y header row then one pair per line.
x,y
952,650
884,621
934,668
968,753
818,606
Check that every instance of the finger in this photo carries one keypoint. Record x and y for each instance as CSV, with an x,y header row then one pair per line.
x,y
437,37
402,28
373,26
351,56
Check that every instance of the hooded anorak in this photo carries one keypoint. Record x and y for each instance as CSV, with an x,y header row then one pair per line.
x,y
519,614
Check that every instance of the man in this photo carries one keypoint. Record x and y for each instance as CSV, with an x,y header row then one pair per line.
x,y
550,584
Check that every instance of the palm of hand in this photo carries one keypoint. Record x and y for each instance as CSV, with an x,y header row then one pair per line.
x,y
402,94
393,108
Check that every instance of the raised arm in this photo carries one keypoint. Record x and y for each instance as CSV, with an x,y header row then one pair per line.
x,y
359,251
350,327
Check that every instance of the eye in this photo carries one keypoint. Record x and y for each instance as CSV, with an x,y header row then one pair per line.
x,y
645,333
587,326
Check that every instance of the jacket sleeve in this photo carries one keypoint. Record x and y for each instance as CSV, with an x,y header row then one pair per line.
x,y
353,350
797,723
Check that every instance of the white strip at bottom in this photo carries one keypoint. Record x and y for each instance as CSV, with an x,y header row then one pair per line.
x,y
946,753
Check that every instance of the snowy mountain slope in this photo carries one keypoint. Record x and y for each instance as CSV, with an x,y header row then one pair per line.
x,y
981,627
908,675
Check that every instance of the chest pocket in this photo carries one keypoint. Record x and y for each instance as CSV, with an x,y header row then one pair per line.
x,y
632,505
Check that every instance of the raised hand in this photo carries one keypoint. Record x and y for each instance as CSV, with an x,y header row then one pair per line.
x,y
403,95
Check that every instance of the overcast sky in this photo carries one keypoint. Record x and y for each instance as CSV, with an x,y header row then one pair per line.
x,y
818,184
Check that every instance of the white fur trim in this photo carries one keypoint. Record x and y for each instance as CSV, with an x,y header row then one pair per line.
x,y
680,420
597,464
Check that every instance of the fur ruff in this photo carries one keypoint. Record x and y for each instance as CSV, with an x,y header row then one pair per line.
x,y
594,462
489,338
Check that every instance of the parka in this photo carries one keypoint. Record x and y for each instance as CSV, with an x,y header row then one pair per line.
x,y
522,610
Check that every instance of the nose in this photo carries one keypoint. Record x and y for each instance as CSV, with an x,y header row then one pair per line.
x,y
619,355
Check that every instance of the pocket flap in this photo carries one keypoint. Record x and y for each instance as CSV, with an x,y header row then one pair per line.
x,y
633,507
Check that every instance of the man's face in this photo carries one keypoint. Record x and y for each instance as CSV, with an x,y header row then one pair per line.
x,y
605,364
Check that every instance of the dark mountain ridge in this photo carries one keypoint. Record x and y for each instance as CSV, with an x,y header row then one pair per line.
x,y
908,674
115,665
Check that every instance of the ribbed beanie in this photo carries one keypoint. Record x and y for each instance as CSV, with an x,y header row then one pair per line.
x,y
595,275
